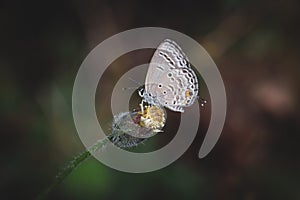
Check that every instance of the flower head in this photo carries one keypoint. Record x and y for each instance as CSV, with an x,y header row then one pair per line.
x,y
132,128
153,117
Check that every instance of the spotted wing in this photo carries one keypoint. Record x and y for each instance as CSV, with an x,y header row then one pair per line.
x,y
177,89
170,79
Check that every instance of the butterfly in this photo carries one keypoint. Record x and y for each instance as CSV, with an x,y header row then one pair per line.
x,y
170,81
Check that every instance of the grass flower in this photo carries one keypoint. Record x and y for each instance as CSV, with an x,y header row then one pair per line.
x,y
129,129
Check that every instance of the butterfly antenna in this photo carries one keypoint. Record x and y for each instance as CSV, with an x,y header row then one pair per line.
x,y
134,81
129,88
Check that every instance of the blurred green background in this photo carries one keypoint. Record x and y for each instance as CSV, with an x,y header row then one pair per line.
x,y
255,45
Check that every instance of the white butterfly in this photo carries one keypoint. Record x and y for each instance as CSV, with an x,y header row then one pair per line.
x,y
170,80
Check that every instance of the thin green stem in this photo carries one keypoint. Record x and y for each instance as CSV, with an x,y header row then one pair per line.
x,y
72,165
121,126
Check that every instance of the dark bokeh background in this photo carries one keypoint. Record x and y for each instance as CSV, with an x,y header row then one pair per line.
x,y
256,46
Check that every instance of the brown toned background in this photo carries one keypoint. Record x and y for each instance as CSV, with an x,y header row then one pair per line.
x,y
255,45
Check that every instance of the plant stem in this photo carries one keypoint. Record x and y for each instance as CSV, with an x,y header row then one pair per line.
x,y
72,165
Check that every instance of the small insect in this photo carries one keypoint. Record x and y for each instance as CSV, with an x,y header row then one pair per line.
x,y
170,80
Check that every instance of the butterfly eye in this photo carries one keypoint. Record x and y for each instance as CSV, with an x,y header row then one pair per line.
x,y
159,85
141,92
164,92
169,74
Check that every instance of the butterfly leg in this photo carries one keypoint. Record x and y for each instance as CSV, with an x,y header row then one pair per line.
x,y
142,106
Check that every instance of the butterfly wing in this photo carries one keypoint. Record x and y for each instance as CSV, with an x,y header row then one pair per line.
x,y
158,66
177,89
170,79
